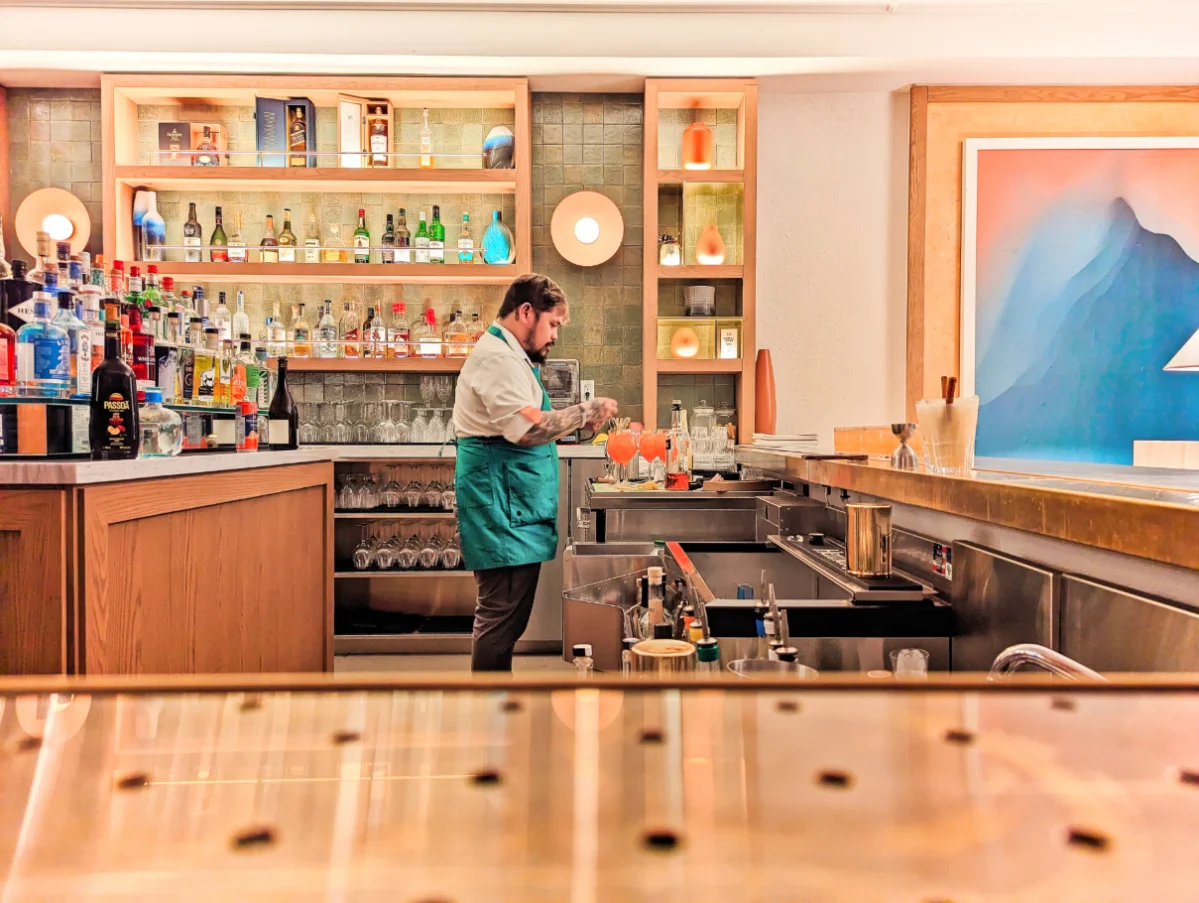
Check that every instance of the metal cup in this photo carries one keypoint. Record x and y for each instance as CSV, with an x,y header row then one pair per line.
x,y
868,540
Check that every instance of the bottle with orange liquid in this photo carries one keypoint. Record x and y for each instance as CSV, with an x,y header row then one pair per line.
x,y
622,446
678,455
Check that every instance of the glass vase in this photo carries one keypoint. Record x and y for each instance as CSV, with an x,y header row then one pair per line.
x,y
709,249
697,146
498,246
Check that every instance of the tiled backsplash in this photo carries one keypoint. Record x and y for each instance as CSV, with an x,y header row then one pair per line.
x,y
54,142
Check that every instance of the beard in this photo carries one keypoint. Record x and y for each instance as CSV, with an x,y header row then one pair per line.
x,y
539,355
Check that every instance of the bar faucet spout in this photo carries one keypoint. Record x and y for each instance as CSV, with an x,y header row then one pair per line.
x,y
1014,657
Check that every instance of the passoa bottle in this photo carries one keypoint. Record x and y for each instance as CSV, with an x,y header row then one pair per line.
x,y
285,416
113,427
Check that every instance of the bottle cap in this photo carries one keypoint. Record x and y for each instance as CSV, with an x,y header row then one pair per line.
x,y
247,407
154,309
629,642
579,649
707,651
153,396
663,632
168,283
66,300
655,575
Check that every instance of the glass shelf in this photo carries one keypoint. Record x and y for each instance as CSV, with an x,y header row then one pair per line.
x,y
222,410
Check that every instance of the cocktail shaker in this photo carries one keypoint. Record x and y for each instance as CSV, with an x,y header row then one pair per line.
x,y
868,540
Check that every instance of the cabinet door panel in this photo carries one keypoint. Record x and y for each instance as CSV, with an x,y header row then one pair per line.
x,y
33,581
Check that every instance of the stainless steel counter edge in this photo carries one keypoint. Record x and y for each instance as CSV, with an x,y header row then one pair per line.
x,y
79,473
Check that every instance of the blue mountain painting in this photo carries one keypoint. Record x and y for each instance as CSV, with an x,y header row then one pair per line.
x,y
1097,382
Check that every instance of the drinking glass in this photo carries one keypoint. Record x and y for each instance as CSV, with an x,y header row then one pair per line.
x,y
428,388
413,493
451,555
436,428
328,427
909,664
949,431
451,434
345,495
445,389
361,432
430,553
621,448
364,553
383,430
385,555
409,553
420,427
449,496
370,491
342,429
308,435
392,495
433,494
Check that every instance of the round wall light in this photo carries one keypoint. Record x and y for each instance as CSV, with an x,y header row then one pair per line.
x,y
587,228
55,211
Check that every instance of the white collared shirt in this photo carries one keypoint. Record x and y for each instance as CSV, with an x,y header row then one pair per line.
x,y
496,382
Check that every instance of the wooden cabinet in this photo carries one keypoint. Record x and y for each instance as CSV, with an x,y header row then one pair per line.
x,y
217,572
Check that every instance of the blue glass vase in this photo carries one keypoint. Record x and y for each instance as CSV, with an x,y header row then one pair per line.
x,y
153,229
498,246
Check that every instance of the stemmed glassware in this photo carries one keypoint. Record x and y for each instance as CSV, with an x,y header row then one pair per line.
x,y
445,389
436,427
621,448
451,555
449,496
413,493
392,495
433,494
409,553
343,429
361,434
364,553
428,389
430,553
420,426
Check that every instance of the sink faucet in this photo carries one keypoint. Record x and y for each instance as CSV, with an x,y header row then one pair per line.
x,y
782,633
1011,658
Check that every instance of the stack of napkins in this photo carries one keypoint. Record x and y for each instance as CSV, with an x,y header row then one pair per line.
x,y
800,442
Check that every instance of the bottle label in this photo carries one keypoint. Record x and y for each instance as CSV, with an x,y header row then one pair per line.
x,y
237,255
466,249
403,251
287,254
253,378
114,411
422,250
191,252
83,365
264,430
205,382
280,432
399,342
362,252
6,377
43,359
436,251
238,383
387,256
219,255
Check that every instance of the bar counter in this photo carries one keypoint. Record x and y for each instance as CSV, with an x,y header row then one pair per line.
x,y
1150,513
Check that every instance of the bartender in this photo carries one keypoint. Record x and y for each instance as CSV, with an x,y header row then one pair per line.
x,y
507,468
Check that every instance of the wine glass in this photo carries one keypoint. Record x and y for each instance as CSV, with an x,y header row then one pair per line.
x,y
409,553
436,428
392,495
370,491
386,553
420,427
361,432
451,555
433,494
445,389
413,493
403,427
449,496
345,495
328,427
364,553
430,553
342,429
384,429
428,389
621,448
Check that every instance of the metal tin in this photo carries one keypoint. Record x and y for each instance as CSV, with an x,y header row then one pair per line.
x,y
868,540
663,657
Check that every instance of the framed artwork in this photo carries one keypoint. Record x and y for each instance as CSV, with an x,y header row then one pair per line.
x,y
1080,288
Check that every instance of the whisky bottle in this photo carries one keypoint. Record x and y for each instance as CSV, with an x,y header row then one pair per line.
x,y
379,134
301,334
193,236
362,239
312,241
113,428
397,335
427,339
426,144
388,254
237,244
335,248
457,339
466,244
403,239
287,240
206,153
436,237
270,242
297,137
218,251
421,242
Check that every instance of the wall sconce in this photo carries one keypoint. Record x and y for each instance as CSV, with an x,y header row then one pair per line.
x,y
709,248
57,212
697,146
587,228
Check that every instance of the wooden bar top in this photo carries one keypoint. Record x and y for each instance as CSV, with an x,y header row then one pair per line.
x,y
1150,513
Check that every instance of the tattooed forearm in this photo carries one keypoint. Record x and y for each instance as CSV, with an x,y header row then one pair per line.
x,y
556,424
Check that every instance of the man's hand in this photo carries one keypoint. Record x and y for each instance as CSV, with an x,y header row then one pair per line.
x,y
605,410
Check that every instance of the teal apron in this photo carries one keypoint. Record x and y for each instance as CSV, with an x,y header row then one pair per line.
x,y
507,498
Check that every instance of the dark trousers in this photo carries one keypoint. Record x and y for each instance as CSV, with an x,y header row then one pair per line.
x,y
501,614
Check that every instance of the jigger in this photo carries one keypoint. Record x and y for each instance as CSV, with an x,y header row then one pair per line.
x,y
903,458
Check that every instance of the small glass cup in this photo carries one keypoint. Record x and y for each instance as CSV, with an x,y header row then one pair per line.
x,y
409,553
948,432
413,493
909,664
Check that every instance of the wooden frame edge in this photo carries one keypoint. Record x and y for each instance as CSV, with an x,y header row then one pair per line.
x,y
917,201
1060,93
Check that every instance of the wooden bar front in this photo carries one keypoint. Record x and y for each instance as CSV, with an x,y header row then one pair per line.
x,y
213,573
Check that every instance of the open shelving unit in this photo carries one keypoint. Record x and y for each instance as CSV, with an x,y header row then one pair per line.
x,y
375,365
740,95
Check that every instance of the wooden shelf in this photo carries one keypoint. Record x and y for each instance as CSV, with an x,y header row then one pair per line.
x,y
374,365
394,515
322,179
675,176
701,367
724,271
367,273
395,573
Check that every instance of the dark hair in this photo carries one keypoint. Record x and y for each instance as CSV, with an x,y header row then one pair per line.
x,y
540,291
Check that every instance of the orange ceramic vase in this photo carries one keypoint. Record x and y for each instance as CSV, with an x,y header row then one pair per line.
x,y
765,406
697,146
709,249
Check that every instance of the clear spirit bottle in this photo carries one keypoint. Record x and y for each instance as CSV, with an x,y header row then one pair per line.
x,y
421,241
222,318
388,254
276,333
398,334
287,240
301,334
241,320
457,338
79,341
326,333
436,237
335,249
377,333
269,246
427,338
403,239
237,244
426,144
312,241
362,239
351,331
218,250
193,236
43,353
466,244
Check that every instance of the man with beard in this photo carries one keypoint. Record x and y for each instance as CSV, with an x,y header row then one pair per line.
x,y
506,474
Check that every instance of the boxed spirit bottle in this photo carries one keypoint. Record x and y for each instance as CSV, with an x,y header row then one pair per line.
x,y
174,142
270,116
301,132
351,116
216,134
377,127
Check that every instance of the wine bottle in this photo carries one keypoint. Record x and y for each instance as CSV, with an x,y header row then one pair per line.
x,y
285,416
113,428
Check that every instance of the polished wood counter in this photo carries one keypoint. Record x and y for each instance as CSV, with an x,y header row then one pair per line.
x,y
551,790
225,570
1151,514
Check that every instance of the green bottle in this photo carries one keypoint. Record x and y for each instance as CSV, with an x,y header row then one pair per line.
x,y
421,241
218,244
362,239
436,237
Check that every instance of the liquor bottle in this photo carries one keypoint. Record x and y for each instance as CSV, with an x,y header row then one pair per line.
x,y
241,320
8,348
218,250
154,322
403,239
397,335
186,308
222,318
427,338
678,471
297,137
208,368
169,301
457,339
335,249
476,328
42,261
222,394
287,240
378,334
269,245
388,254
285,416
301,334
421,241
426,144
326,333
79,344
362,239
193,236
276,333
379,137
237,244
497,241
5,267
436,237
466,244
133,288
206,152
195,333
113,428
350,329
143,346
43,352
18,295
312,241
251,373
152,289
154,228
201,304
75,273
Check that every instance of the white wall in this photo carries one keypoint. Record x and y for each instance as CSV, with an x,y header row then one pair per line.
x,y
832,255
